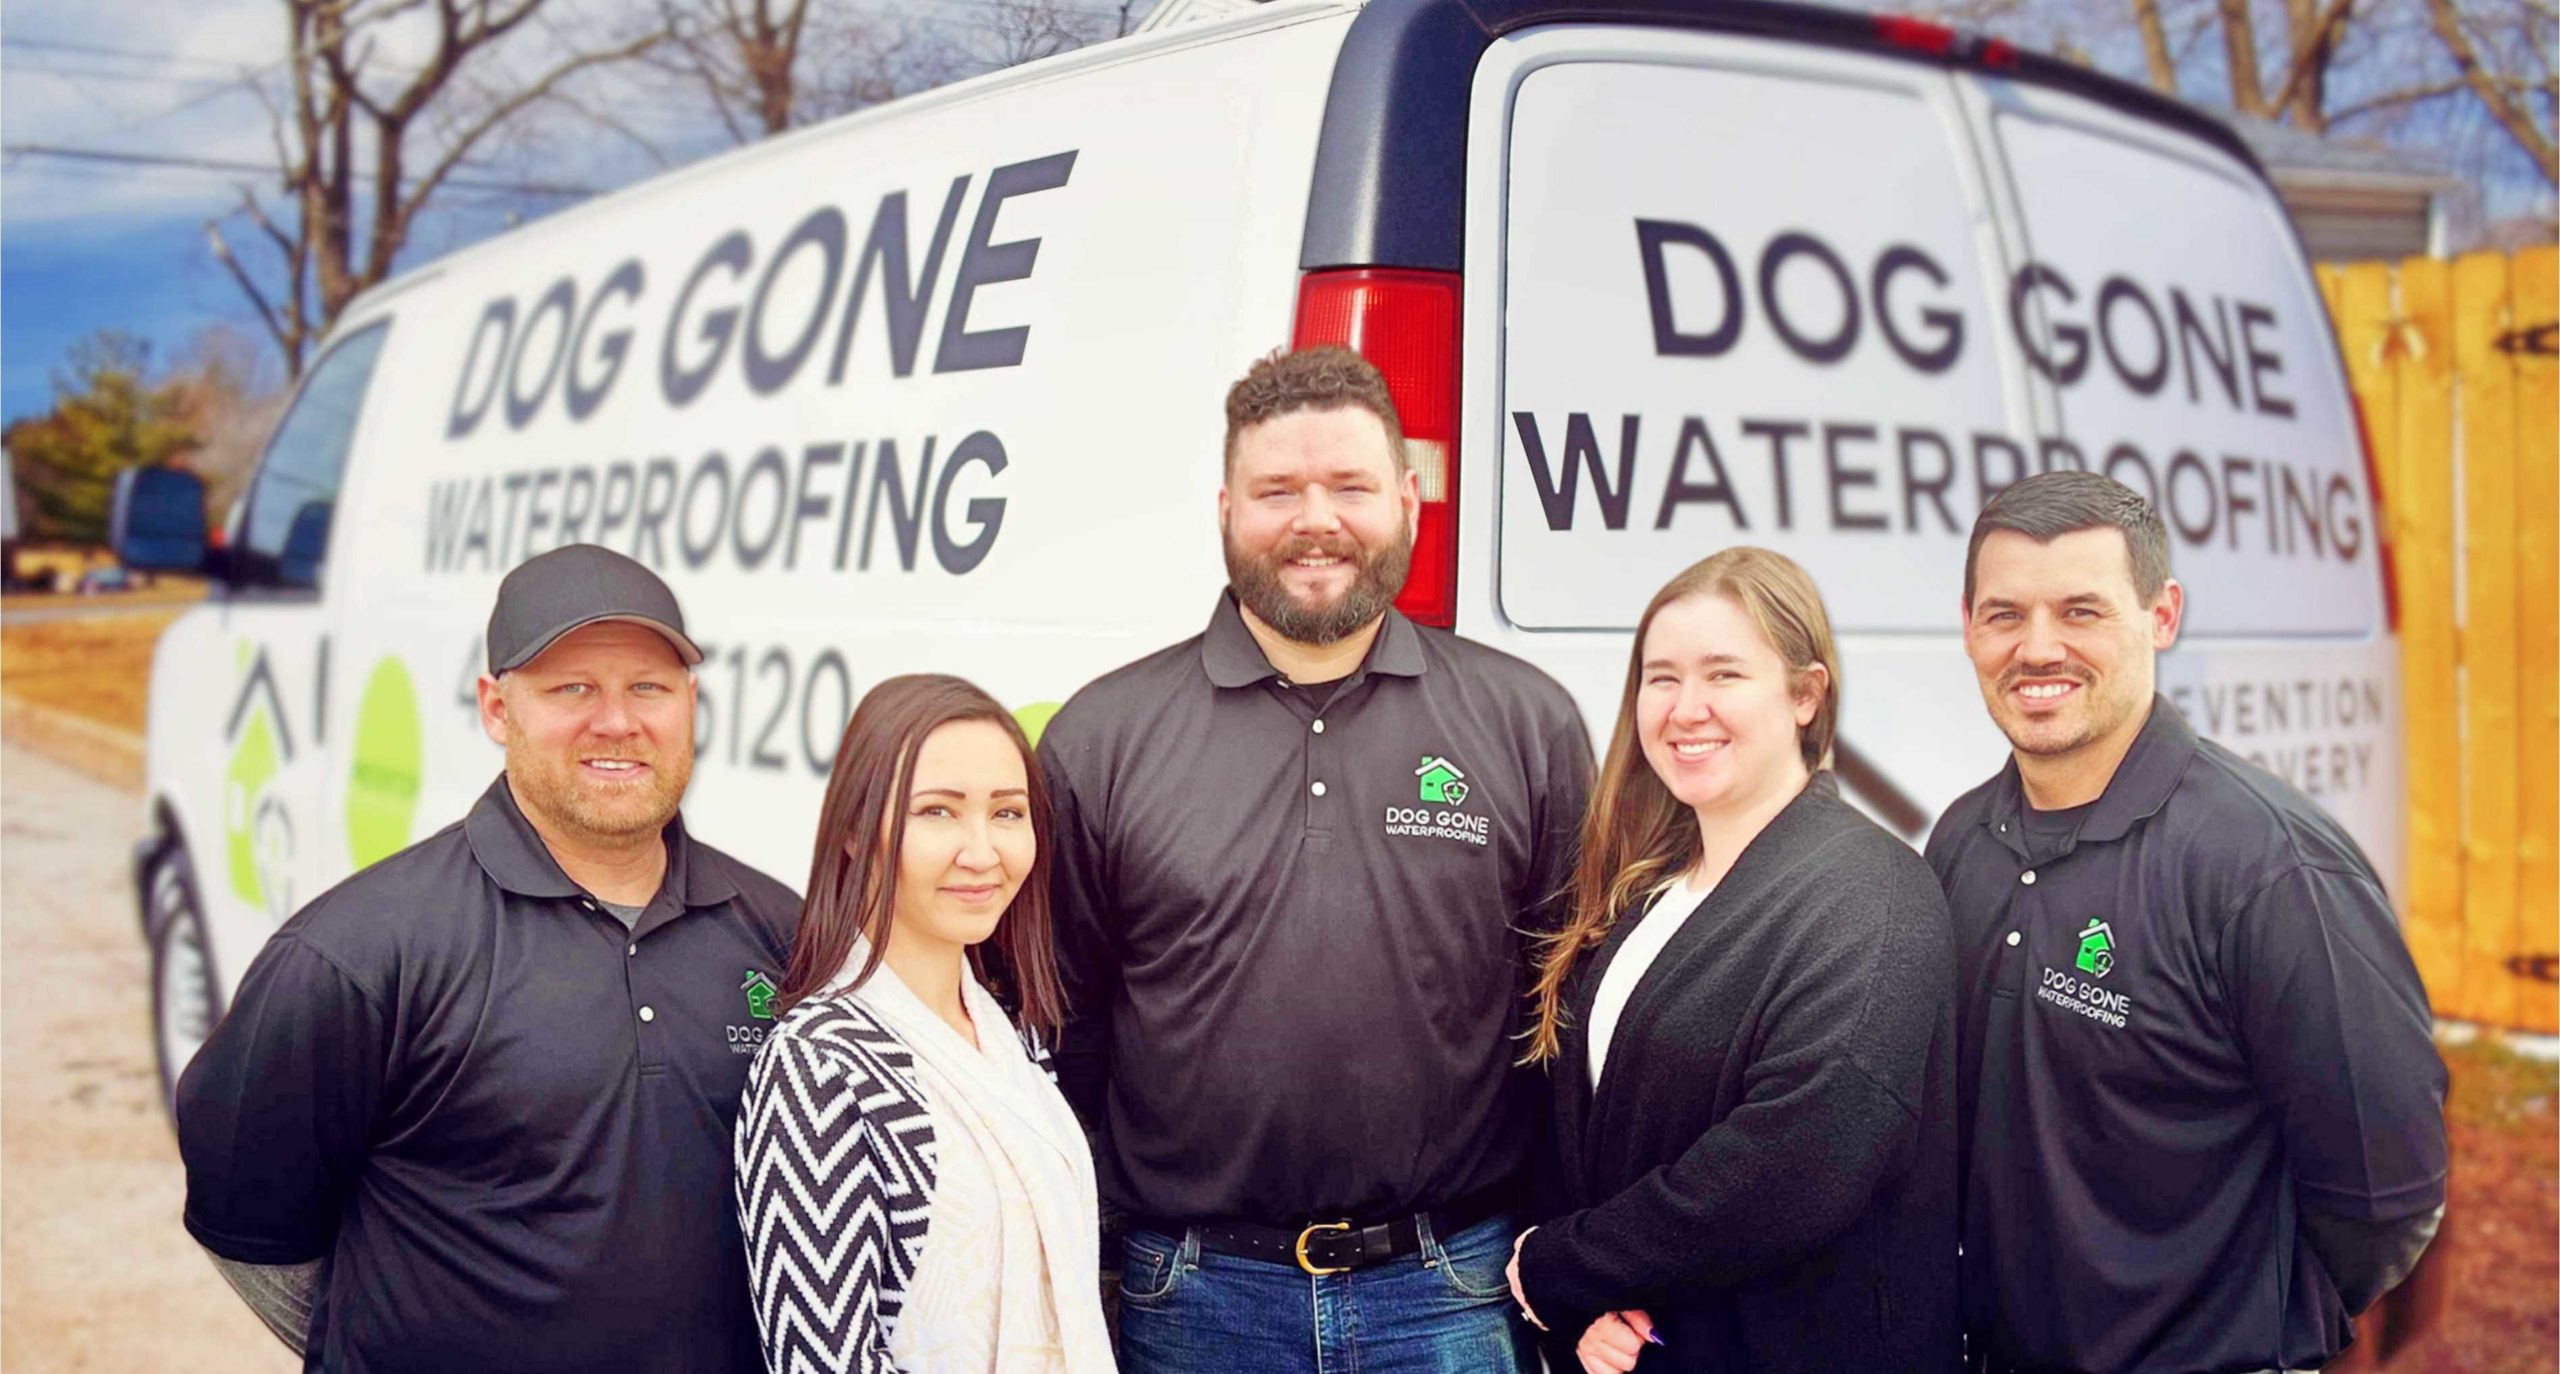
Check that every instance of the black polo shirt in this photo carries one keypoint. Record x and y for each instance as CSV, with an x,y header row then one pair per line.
x,y
2182,1024
1290,920
502,1117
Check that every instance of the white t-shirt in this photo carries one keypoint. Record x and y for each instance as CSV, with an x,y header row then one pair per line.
x,y
1671,910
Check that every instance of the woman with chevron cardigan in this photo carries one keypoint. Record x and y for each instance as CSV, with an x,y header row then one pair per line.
x,y
916,1195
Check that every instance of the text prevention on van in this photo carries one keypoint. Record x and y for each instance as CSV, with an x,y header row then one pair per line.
x,y
937,386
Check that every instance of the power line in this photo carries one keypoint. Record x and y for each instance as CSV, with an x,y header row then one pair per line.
x,y
129,78
207,164
129,54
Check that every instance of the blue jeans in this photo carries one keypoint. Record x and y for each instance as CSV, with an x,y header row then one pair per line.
x,y
1444,1310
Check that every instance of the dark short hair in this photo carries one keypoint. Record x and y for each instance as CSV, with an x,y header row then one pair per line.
x,y
1325,377
2049,505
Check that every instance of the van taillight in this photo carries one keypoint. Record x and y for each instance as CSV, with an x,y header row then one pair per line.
x,y
1937,40
2381,522
1405,322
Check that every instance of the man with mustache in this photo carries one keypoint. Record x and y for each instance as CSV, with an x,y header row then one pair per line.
x,y
2202,1117
471,1108
1295,859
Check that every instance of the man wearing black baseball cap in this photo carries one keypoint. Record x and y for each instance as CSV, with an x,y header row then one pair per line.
x,y
471,1108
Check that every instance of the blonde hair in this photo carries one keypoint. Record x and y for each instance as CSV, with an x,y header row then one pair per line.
x,y
1635,834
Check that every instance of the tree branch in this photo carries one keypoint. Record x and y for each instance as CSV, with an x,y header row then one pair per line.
x,y
2162,68
267,314
2309,63
2240,55
2416,95
390,231
2511,115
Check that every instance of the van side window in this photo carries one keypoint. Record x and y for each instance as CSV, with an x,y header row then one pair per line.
x,y
284,537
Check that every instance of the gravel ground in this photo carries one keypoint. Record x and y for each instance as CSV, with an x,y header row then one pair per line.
x,y
99,1273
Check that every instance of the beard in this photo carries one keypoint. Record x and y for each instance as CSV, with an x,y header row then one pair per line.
x,y
1376,576
553,785
2095,715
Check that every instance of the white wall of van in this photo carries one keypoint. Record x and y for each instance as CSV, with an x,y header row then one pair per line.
x,y
937,387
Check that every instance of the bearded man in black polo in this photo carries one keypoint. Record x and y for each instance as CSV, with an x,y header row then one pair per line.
x,y
1295,856
2203,1117
471,1109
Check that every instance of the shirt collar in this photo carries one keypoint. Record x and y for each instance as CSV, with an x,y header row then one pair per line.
x,y
1233,658
2142,783
512,853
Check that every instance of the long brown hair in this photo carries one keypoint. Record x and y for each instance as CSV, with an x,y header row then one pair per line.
x,y
1635,834
853,877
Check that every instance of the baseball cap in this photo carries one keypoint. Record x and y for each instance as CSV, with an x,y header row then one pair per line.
x,y
573,586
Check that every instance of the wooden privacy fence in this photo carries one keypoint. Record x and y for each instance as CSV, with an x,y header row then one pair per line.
x,y
2454,366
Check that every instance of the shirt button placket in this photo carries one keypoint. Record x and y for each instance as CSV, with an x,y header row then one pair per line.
x,y
1319,756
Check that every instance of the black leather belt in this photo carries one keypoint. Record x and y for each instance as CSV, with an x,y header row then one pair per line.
x,y
1338,1247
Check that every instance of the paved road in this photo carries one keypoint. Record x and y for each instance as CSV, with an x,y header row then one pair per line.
x,y
100,1275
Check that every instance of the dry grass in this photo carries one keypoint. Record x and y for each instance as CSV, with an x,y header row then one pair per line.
x,y
166,589
96,667
2504,1215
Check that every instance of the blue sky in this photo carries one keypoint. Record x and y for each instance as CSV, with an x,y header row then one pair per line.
x,y
154,277
85,245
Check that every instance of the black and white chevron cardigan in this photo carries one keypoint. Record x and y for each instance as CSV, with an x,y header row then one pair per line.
x,y
835,1178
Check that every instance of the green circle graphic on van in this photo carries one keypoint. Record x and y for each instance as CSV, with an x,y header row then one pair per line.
x,y
1034,718
390,753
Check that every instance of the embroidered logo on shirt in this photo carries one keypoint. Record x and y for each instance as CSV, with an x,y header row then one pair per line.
x,y
2097,948
1441,783
760,993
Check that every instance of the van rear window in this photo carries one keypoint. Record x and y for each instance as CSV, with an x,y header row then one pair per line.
x,y
2188,349
1758,293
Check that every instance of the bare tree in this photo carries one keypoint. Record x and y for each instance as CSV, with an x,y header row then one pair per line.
x,y
2520,92
363,145
765,66
2157,61
1012,32
2240,58
231,399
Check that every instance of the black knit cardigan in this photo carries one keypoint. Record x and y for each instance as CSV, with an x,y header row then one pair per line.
x,y
1769,1166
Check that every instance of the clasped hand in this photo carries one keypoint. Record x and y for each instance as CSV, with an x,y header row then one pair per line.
x,y
1609,1345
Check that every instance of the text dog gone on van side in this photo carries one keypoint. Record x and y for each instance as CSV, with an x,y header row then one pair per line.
x,y
771,314
1851,474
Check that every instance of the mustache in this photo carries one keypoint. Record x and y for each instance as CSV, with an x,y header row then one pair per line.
x,y
2014,676
1338,547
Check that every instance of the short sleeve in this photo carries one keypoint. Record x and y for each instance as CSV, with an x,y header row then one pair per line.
x,y
276,1113
1082,925
2334,1021
1563,792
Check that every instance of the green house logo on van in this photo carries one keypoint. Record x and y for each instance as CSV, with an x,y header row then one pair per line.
x,y
760,994
2097,948
1441,782
257,829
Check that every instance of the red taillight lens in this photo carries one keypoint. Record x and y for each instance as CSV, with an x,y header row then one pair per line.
x,y
1915,35
1937,40
2381,523
1405,322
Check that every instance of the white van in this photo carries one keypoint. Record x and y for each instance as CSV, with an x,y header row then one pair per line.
x,y
938,386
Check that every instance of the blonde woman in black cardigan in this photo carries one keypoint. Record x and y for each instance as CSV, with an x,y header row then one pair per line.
x,y
1748,1021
